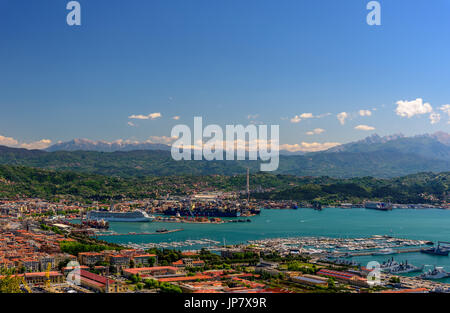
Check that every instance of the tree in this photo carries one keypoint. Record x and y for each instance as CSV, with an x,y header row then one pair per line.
x,y
151,261
10,284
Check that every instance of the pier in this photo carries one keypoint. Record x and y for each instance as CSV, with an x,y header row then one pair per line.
x,y
395,252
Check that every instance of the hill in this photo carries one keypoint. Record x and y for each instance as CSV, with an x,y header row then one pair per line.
x,y
375,156
53,185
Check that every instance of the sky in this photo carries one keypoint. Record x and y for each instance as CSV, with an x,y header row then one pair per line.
x,y
134,69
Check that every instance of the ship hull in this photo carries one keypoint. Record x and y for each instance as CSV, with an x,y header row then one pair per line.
x,y
434,252
137,216
202,213
118,219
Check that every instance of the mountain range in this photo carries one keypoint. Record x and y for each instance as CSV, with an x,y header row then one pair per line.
x,y
105,146
375,156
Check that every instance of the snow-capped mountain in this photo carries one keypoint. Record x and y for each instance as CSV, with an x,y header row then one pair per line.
x,y
105,146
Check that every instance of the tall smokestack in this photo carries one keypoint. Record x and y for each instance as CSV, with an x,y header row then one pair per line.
x,y
248,185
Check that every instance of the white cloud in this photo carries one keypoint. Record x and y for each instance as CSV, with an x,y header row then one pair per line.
x,y
8,141
365,112
176,117
410,108
445,108
145,117
306,115
435,118
161,139
309,146
315,131
252,116
342,117
364,127
296,119
41,144
11,142
131,124
139,117
154,115
152,139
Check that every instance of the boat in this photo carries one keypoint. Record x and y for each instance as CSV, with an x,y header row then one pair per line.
x,y
115,216
341,261
317,206
388,265
435,273
162,230
384,251
381,206
405,267
435,251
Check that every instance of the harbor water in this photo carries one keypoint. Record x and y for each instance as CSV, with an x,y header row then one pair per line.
x,y
424,224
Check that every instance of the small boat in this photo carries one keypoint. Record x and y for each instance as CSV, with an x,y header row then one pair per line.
x,y
384,251
317,206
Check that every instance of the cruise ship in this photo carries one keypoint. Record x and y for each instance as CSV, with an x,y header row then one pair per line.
x,y
114,216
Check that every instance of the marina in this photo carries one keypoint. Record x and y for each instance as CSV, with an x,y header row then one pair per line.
x,y
339,233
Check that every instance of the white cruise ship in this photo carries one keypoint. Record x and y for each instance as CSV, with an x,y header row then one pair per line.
x,y
113,216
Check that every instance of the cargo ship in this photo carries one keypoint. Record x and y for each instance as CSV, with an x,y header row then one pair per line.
x,y
382,206
211,211
115,216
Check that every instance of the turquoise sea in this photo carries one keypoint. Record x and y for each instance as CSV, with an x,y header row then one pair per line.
x,y
426,224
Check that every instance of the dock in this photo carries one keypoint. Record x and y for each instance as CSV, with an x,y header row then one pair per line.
x,y
395,252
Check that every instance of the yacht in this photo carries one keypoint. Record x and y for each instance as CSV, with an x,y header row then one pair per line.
x,y
384,251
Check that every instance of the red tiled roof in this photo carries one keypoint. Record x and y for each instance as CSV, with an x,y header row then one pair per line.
x,y
152,269
184,278
97,278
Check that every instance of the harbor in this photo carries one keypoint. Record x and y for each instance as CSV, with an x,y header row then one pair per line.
x,y
158,232
331,231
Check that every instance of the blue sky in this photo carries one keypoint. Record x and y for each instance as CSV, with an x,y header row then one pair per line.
x,y
224,60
